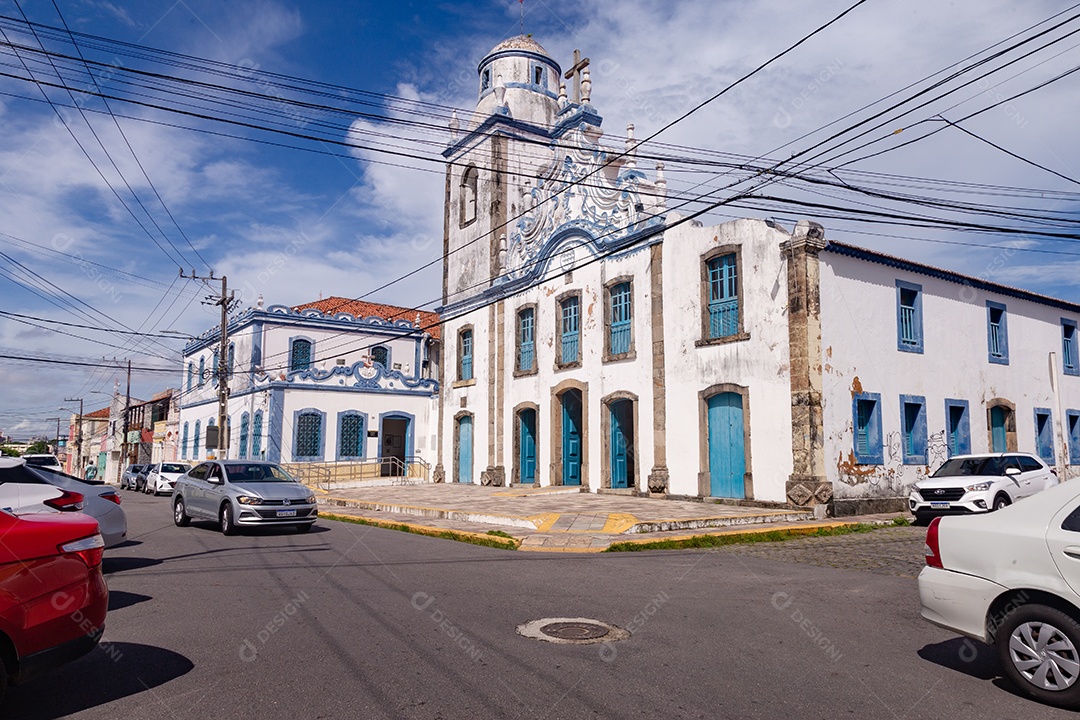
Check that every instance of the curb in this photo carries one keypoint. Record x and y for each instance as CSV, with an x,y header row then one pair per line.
x,y
442,533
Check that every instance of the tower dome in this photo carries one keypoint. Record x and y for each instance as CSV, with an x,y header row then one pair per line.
x,y
519,78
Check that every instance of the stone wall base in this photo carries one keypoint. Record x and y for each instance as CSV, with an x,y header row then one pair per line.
x,y
494,476
869,506
439,475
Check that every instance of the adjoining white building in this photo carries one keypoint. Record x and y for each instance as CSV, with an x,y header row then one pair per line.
x,y
590,340
327,381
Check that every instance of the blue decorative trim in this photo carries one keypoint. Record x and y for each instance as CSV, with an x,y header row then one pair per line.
x,y
963,431
410,429
916,321
965,280
1002,358
575,115
1070,347
914,447
512,52
521,86
275,424
1044,436
1072,429
875,449
296,435
363,435
256,348
416,363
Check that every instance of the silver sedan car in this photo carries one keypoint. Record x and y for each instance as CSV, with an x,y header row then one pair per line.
x,y
238,493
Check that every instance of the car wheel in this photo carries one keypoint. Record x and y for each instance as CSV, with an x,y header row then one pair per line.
x,y
180,516
304,528
228,525
1002,501
1038,649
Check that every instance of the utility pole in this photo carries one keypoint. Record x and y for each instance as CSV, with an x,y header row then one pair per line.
x,y
78,438
226,301
124,446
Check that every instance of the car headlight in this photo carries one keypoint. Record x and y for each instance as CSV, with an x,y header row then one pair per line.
x,y
310,500
978,487
915,489
249,500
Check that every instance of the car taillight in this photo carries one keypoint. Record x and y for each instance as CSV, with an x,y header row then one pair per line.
x,y
113,497
88,549
933,549
67,501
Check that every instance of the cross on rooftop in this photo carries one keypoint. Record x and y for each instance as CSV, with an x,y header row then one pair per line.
x,y
580,64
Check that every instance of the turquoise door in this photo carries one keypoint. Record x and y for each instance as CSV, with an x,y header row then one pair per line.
x,y
727,455
465,450
997,429
622,433
527,460
571,437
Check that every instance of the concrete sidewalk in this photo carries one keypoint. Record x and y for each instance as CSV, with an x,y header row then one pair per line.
x,y
559,519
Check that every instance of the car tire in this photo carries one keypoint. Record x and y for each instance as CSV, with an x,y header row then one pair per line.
x,y
1047,625
306,527
180,516
228,524
1002,501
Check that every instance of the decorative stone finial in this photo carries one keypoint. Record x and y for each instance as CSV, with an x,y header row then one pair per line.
x,y
502,251
586,86
631,147
454,125
259,302
562,95
500,91
661,184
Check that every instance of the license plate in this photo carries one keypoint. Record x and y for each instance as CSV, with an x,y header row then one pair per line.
x,y
940,505
291,513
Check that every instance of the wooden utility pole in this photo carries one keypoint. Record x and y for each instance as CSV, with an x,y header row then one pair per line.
x,y
225,300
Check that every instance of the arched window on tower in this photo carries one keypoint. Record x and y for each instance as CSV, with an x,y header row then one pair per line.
x,y
468,196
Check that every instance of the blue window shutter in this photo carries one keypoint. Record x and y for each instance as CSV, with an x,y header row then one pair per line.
x,y
190,374
1070,360
571,331
1073,425
1044,434
183,443
526,339
244,427
621,311
256,435
308,438
351,435
465,355
198,433
866,417
913,417
997,333
723,296
381,355
958,427
909,317
300,355
202,370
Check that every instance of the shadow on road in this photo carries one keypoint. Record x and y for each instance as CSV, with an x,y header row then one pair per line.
x,y
963,655
112,671
118,599
120,564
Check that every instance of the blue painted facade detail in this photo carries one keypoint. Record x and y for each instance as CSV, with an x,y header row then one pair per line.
x,y
621,443
909,317
527,446
1044,434
352,435
1070,347
410,429
275,425
184,443
198,440
997,332
914,436
957,427
465,450
1072,429
571,437
727,451
245,429
866,418
309,435
257,435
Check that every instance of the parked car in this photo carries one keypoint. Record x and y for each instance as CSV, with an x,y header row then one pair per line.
x,y
23,491
979,483
43,460
129,479
53,597
100,501
1012,580
238,493
161,477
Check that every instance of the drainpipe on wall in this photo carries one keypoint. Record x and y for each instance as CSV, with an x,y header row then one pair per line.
x,y
1059,427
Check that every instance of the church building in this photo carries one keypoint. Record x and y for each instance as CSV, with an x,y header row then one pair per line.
x,y
592,340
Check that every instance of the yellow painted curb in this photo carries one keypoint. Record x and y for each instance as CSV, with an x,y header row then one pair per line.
x,y
618,523
541,548
423,529
793,529
544,521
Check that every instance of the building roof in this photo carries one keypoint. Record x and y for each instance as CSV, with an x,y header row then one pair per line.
x,y
429,321
162,395
520,42
102,414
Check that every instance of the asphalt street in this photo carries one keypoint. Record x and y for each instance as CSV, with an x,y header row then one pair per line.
x,y
350,621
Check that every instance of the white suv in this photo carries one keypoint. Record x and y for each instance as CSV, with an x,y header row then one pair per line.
x,y
979,483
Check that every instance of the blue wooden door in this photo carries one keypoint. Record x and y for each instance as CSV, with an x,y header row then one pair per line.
x,y
622,433
997,429
465,450
727,454
527,461
571,437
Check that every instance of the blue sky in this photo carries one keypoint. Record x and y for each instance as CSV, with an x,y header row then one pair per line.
x,y
294,225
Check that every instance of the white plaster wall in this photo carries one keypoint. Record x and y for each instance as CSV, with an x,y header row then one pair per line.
x,y
466,396
760,363
859,336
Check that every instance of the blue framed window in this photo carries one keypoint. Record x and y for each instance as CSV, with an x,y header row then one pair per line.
x,y
526,339
997,332
183,443
198,438
190,374
256,435
300,351
570,312
232,358
465,355
958,427
202,370
308,434
723,296
866,416
485,80
1069,359
381,354
909,318
351,435
539,75
245,429
1044,434
1072,422
913,417
621,319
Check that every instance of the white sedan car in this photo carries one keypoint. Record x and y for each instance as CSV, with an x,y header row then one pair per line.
x,y
979,483
1012,579
161,477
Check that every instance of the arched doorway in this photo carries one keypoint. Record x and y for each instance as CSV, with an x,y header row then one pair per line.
x,y
464,460
1001,424
571,436
621,443
526,439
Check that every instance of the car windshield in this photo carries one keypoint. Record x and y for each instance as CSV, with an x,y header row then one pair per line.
x,y
41,460
241,473
174,468
960,467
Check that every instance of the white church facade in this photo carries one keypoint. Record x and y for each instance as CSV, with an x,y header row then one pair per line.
x,y
592,339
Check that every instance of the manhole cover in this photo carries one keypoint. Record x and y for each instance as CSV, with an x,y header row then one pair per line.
x,y
572,631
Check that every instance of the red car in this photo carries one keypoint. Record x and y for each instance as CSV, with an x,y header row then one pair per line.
x,y
53,596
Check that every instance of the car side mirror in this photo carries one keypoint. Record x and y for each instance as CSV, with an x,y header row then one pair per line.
x,y
1012,471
